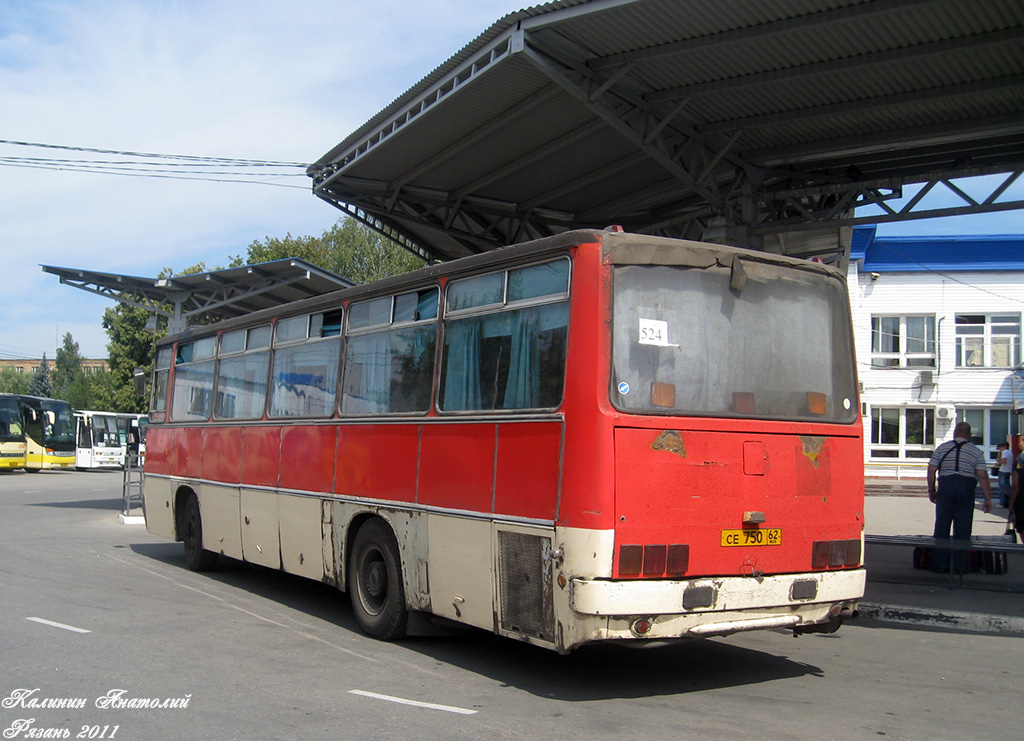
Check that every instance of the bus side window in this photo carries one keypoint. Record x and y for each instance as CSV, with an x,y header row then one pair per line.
x,y
192,395
389,356
161,376
513,358
304,379
242,375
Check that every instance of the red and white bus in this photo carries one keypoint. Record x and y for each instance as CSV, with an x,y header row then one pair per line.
x,y
591,436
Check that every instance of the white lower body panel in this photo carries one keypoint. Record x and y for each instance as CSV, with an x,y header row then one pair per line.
x,y
607,609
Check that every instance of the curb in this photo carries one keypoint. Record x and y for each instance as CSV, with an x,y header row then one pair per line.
x,y
974,622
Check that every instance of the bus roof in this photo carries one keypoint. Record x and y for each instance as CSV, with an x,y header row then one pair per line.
x,y
619,248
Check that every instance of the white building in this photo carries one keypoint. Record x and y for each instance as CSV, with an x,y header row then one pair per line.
x,y
937,324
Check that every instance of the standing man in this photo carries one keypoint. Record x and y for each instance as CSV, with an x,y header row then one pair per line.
x,y
1005,459
960,467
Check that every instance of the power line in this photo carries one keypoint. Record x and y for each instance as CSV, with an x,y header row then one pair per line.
x,y
163,166
155,174
192,157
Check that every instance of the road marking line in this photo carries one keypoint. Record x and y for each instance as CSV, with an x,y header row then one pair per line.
x,y
72,628
414,703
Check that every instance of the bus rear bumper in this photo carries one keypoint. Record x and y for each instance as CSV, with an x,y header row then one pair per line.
x,y
716,606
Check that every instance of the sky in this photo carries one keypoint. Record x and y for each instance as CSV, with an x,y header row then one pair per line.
x,y
275,80
268,80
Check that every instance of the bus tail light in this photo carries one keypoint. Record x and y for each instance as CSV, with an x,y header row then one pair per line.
x,y
832,553
631,560
678,559
654,560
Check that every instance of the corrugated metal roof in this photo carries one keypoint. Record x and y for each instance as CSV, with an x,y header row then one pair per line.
x,y
940,253
217,294
661,115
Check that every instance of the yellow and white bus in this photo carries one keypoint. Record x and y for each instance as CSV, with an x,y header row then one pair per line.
x,y
49,433
12,434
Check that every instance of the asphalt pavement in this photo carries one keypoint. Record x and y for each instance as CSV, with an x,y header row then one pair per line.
x,y
897,592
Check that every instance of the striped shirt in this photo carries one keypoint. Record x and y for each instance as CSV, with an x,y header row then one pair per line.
x,y
966,461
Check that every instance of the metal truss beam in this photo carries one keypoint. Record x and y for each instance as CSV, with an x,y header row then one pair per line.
x,y
614,100
812,208
131,297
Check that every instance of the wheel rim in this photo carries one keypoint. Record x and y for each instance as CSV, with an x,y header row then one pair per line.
x,y
373,581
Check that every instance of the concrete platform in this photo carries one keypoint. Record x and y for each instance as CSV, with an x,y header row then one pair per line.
x,y
896,592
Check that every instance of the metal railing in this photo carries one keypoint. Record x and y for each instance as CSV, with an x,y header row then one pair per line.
x,y
131,490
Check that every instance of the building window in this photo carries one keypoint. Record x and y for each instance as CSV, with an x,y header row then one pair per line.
x,y
898,432
903,341
989,427
987,341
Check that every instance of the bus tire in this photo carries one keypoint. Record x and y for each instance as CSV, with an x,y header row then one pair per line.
x,y
375,582
197,558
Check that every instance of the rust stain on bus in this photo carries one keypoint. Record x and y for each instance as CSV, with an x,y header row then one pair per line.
x,y
812,448
670,441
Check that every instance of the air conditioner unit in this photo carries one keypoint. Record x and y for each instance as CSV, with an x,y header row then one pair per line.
x,y
946,412
927,378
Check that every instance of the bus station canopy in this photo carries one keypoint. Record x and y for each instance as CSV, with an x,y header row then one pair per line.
x,y
760,123
217,294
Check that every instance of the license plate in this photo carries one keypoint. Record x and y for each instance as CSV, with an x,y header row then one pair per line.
x,y
752,536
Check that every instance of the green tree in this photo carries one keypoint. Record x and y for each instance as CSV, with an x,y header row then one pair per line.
x,y
349,249
80,393
41,383
130,347
13,382
98,391
68,364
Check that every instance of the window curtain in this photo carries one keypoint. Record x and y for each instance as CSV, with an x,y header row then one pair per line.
x,y
462,373
522,391
372,392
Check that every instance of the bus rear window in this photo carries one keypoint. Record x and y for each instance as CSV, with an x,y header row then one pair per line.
x,y
685,342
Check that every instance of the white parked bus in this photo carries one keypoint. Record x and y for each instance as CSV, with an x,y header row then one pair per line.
x,y
101,439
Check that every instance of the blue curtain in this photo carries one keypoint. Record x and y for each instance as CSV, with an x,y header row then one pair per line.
x,y
462,374
522,391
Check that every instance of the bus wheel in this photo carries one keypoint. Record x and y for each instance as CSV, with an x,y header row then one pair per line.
x,y
375,582
197,558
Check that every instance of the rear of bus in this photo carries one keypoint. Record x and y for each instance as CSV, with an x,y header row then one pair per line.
x,y
734,428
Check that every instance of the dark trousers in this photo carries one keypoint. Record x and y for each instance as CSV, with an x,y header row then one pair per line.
x,y
954,505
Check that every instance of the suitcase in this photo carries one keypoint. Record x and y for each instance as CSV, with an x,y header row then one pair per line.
x,y
975,559
994,562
